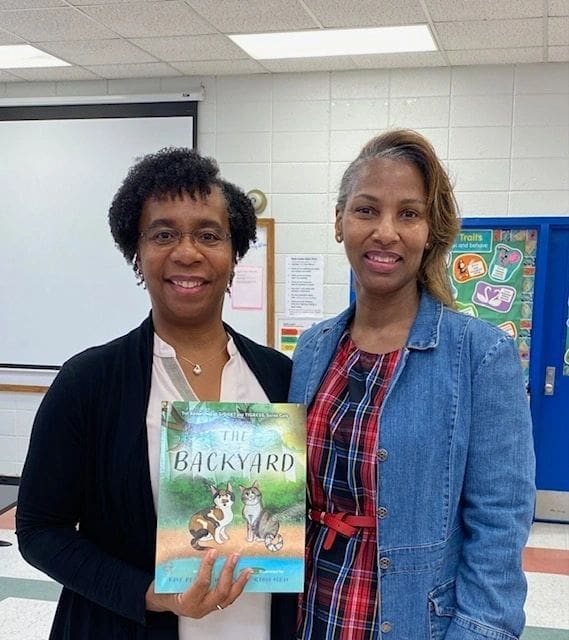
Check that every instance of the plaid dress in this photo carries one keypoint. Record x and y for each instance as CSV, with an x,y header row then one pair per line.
x,y
340,600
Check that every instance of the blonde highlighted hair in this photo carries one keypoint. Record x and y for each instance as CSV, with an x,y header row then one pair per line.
x,y
442,210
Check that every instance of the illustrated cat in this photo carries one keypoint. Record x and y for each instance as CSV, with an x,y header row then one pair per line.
x,y
261,525
211,523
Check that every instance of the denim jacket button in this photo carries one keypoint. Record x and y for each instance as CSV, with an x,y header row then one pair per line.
x,y
382,455
381,512
384,563
386,627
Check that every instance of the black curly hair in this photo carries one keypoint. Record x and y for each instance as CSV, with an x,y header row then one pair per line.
x,y
173,171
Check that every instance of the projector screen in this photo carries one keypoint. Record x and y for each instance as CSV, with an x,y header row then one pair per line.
x,y
63,284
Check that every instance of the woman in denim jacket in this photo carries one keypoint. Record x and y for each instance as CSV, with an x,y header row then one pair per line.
x,y
421,468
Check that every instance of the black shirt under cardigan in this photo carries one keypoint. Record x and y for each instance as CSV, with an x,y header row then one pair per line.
x,y
88,464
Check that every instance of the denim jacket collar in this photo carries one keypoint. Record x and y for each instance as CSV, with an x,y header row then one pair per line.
x,y
424,332
316,349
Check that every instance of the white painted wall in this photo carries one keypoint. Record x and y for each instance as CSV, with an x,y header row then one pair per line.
x,y
502,130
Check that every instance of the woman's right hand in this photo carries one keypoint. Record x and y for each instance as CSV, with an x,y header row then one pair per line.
x,y
200,598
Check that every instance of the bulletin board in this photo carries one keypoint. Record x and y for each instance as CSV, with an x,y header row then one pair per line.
x,y
250,308
492,276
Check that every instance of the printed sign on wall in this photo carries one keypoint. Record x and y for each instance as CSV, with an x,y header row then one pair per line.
x,y
290,330
492,274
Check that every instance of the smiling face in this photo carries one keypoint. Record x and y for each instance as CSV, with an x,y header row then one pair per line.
x,y
385,229
186,282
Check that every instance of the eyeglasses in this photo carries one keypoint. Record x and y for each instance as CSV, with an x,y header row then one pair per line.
x,y
170,237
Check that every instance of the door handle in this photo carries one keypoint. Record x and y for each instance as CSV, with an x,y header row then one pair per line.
x,y
549,388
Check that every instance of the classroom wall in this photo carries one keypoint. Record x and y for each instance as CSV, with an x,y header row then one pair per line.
x,y
502,130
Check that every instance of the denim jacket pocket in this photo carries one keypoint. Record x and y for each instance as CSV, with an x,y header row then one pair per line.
x,y
442,608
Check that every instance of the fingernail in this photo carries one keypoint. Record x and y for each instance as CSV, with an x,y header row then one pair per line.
x,y
234,558
212,554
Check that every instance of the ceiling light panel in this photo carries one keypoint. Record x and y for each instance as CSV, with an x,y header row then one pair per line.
x,y
336,42
21,56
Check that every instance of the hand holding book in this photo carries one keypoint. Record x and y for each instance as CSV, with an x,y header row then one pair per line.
x,y
201,599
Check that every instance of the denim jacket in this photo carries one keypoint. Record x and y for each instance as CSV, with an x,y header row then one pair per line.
x,y
455,476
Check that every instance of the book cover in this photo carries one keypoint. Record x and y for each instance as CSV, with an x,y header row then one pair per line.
x,y
232,477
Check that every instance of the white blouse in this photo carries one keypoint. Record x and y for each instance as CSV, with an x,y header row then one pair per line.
x,y
249,617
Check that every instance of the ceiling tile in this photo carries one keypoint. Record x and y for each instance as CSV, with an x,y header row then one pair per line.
x,y
236,16
218,67
31,4
56,74
366,13
558,54
488,34
558,8
393,60
190,48
8,38
455,10
97,51
80,3
148,70
558,31
330,63
183,32
42,25
496,56
142,19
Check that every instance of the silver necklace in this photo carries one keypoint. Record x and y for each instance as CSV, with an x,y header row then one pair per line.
x,y
196,367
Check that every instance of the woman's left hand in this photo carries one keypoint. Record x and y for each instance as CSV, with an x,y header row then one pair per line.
x,y
200,599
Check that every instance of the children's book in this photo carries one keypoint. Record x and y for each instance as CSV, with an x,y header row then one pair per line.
x,y
232,478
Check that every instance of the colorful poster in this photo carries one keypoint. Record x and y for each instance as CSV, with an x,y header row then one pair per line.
x,y
492,275
290,330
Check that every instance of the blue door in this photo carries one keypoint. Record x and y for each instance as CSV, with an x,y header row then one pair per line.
x,y
550,400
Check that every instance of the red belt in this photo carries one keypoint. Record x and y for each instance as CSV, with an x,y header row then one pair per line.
x,y
343,523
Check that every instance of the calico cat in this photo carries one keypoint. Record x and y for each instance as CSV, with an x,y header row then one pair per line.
x,y
261,525
211,523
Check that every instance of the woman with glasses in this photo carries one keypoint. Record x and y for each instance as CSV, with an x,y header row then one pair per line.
x,y
88,495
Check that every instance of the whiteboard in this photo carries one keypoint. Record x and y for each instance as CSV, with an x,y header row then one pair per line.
x,y
63,284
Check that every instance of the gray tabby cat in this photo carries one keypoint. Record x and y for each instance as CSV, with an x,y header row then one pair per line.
x,y
261,525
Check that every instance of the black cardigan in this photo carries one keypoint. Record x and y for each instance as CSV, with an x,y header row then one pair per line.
x,y
88,463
